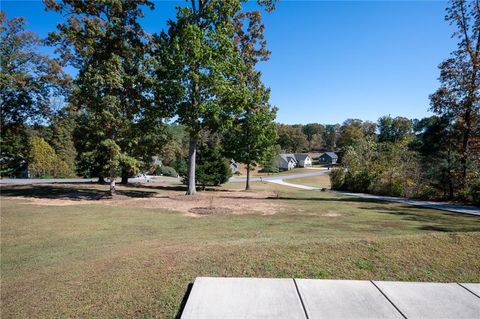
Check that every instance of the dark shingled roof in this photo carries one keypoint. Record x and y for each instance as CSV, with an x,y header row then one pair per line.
x,y
331,154
301,156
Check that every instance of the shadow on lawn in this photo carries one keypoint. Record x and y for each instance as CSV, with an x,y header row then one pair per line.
x,y
439,221
77,193
328,199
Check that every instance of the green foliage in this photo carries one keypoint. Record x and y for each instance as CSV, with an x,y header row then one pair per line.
x,y
291,139
353,130
62,138
117,102
379,168
213,168
44,162
165,171
337,178
28,82
459,94
209,66
393,129
180,165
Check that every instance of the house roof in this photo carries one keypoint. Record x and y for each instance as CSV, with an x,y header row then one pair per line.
x,y
330,154
301,156
287,157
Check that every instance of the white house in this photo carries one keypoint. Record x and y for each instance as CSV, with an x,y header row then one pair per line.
x,y
286,162
303,159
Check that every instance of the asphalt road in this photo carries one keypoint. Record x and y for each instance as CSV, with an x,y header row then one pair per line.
x,y
28,181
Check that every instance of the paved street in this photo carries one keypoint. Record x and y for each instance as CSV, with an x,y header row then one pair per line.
x,y
317,299
27,181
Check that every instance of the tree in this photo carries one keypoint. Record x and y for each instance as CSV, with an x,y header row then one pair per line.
x,y
44,162
61,138
393,129
351,132
203,66
314,133
113,92
436,142
252,136
213,168
291,139
458,97
28,81
331,135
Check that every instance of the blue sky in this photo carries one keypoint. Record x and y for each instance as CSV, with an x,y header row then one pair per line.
x,y
332,60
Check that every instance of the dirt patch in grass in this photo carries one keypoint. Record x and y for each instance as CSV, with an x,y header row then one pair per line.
x,y
333,214
227,202
210,210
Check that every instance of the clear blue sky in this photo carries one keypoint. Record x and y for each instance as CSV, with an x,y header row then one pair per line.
x,y
332,60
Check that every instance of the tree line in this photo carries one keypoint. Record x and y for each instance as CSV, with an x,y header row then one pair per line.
x,y
192,94
130,85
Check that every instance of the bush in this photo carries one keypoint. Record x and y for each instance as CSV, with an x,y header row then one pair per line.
x,y
212,168
180,165
475,192
337,178
44,162
166,171
270,168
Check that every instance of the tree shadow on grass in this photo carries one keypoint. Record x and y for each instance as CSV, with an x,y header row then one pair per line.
x,y
440,221
73,193
329,199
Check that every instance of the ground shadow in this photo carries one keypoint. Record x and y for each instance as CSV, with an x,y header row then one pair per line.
x,y
74,193
331,199
184,301
437,220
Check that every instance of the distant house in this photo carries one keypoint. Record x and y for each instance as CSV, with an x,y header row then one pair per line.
x,y
303,159
328,158
286,162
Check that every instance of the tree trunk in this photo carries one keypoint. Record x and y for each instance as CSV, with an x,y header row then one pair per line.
x,y
112,181
192,154
101,180
124,177
112,186
247,185
465,142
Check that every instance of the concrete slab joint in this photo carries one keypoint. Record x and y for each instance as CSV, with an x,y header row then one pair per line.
x,y
337,299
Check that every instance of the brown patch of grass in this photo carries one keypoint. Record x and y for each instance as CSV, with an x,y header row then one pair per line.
x,y
235,202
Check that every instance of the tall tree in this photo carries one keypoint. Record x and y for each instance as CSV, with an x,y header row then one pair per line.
x,y
204,62
28,81
113,90
459,95
291,138
313,132
252,135
393,129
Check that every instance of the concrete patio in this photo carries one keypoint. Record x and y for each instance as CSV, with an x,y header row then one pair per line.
x,y
312,298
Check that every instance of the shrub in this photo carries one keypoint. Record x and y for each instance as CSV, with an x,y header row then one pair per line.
x,y
337,178
44,162
212,168
270,168
180,165
166,171
475,192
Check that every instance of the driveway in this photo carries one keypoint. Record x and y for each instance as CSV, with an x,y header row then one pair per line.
x,y
445,206
315,172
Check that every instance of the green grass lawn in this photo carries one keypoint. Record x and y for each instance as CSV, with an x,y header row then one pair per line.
x,y
322,181
92,259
